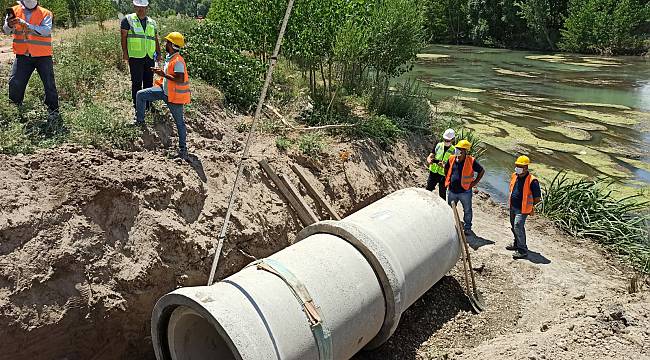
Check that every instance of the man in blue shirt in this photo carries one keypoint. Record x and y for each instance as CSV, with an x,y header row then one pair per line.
x,y
525,193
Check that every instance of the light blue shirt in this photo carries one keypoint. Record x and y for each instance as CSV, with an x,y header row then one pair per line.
x,y
44,29
178,68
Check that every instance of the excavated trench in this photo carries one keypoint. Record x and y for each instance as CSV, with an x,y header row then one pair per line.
x,y
90,240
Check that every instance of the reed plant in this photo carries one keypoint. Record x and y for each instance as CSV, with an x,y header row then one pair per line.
x,y
591,209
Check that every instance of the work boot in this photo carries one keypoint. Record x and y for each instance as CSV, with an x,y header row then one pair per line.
x,y
181,156
512,247
468,232
520,255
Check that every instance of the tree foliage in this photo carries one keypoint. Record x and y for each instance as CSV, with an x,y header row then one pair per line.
x,y
606,26
593,26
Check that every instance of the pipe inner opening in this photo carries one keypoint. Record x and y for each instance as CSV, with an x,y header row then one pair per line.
x,y
192,337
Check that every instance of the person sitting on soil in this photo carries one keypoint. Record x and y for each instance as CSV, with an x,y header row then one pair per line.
x,y
460,180
173,88
525,193
437,160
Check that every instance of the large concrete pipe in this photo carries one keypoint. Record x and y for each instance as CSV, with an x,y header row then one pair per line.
x,y
342,287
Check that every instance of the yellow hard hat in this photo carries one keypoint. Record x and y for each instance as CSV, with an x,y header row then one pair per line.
x,y
464,144
176,38
522,161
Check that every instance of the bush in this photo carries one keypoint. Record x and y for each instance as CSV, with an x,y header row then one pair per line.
x,y
381,129
311,144
606,26
14,139
95,125
214,53
407,105
282,143
586,208
478,146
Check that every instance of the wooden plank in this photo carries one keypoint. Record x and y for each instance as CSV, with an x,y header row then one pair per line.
x,y
302,206
304,213
314,193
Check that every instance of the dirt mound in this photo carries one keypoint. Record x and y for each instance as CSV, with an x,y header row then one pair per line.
x,y
90,239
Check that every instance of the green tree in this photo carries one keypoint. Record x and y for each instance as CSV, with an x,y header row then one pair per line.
x,y
606,26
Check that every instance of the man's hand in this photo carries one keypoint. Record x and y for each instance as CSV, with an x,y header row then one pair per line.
x,y
13,22
125,56
158,71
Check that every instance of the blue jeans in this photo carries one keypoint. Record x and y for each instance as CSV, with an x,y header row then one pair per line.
x,y
465,198
518,223
154,94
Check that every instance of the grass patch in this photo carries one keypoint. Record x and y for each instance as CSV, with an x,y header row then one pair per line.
x,y
95,125
311,144
589,209
283,143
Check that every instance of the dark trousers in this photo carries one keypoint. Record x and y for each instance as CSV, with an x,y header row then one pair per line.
x,y
141,75
437,179
22,70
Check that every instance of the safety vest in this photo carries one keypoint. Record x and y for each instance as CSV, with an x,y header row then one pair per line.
x,y
443,155
177,92
467,176
27,42
141,42
528,203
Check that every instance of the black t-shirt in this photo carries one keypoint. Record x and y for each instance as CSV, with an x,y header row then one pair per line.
x,y
126,26
455,185
517,196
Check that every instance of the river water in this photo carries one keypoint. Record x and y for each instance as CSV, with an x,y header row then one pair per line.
x,y
587,115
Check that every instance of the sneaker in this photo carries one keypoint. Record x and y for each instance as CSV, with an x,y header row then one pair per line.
x,y
140,124
519,255
512,247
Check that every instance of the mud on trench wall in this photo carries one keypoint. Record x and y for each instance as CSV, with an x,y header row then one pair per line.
x,y
90,240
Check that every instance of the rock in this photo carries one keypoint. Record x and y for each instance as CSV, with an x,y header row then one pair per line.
x,y
532,355
544,328
579,296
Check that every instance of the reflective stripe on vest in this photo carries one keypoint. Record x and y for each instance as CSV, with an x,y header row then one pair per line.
x,y
467,175
443,155
528,202
177,92
141,42
27,42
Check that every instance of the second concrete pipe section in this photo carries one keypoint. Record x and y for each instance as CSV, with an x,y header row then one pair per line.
x,y
340,288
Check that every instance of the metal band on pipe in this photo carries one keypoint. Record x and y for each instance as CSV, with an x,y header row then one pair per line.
x,y
299,290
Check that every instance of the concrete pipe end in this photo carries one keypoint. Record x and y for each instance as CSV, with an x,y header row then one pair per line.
x,y
181,329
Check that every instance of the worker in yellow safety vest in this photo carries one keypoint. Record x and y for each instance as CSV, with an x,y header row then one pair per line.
x,y
525,193
140,46
173,88
31,27
460,180
437,160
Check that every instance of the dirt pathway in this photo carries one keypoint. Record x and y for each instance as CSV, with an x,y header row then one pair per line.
x,y
569,301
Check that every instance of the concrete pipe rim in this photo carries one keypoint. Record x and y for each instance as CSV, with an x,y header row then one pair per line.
x,y
162,314
390,286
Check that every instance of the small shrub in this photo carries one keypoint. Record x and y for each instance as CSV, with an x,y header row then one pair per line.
x,y
311,144
94,125
478,146
407,106
242,127
381,129
283,143
14,139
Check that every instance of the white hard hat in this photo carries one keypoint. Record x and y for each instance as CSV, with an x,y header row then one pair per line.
x,y
141,2
449,134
